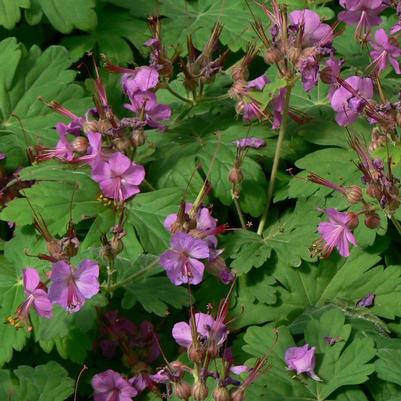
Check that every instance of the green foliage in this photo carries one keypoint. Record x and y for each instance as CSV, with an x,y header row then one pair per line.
x,y
10,12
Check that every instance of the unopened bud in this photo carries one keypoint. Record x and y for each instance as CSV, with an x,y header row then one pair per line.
x,y
238,395
196,354
353,194
235,176
54,248
106,252
104,126
240,73
372,220
273,55
178,368
138,138
182,390
89,126
327,76
116,245
374,192
199,391
122,144
353,220
239,107
398,118
293,54
80,144
309,52
221,394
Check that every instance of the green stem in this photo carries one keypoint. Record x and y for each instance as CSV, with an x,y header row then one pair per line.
x,y
396,223
177,95
239,211
215,98
135,276
110,271
276,160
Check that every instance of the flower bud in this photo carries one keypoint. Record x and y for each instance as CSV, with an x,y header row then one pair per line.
x,y
240,73
80,144
195,353
327,76
122,144
238,395
235,176
89,126
178,368
138,138
353,220
182,390
116,245
374,192
199,391
54,248
293,54
221,394
239,107
273,55
353,194
372,220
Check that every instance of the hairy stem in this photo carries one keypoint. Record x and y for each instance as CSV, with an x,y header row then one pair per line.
x,y
276,160
396,223
239,211
178,96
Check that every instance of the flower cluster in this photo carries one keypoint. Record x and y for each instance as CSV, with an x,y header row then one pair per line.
x,y
193,246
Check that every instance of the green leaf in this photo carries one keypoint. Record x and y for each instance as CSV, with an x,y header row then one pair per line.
x,y
25,76
78,14
10,12
198,18
48,382
114,33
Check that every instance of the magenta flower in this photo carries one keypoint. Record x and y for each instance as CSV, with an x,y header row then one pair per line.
x,y
118,177
111,386
314,31
151,112
278,108
363,13
336,232
366,302
207,328
36,296
249,142
302,360
251,108
348,102
72,286
309,69
140,80
94,152
385,50
181,260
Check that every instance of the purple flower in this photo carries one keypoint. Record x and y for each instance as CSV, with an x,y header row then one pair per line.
x,y
349,101
251,108
72,286
249,142
314,32
2,156
216,266
36,296
258,83
94,152
385,50
145,104
119,178
309,69
367,301
336,232
361,12
181,260
302,360
140,80
278,108
111,386
207,328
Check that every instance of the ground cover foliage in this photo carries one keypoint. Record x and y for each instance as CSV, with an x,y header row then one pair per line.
x,y
199,200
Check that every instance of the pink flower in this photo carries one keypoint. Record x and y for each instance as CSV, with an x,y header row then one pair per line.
x,y
72,286
249,142
111,386
251,109
336,232
360,12
302,360
207,328
181,260
140,80
385,50
349,100
314,32
36,296
119,178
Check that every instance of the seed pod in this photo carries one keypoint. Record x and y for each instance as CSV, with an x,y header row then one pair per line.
x,y
182,390
116,245
122,144
196,354
372,220
353,194
235,176
353,220
293,54
199,391
374,192
273,55
89,126
221,394
240,73
138,138
80,144
238,395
